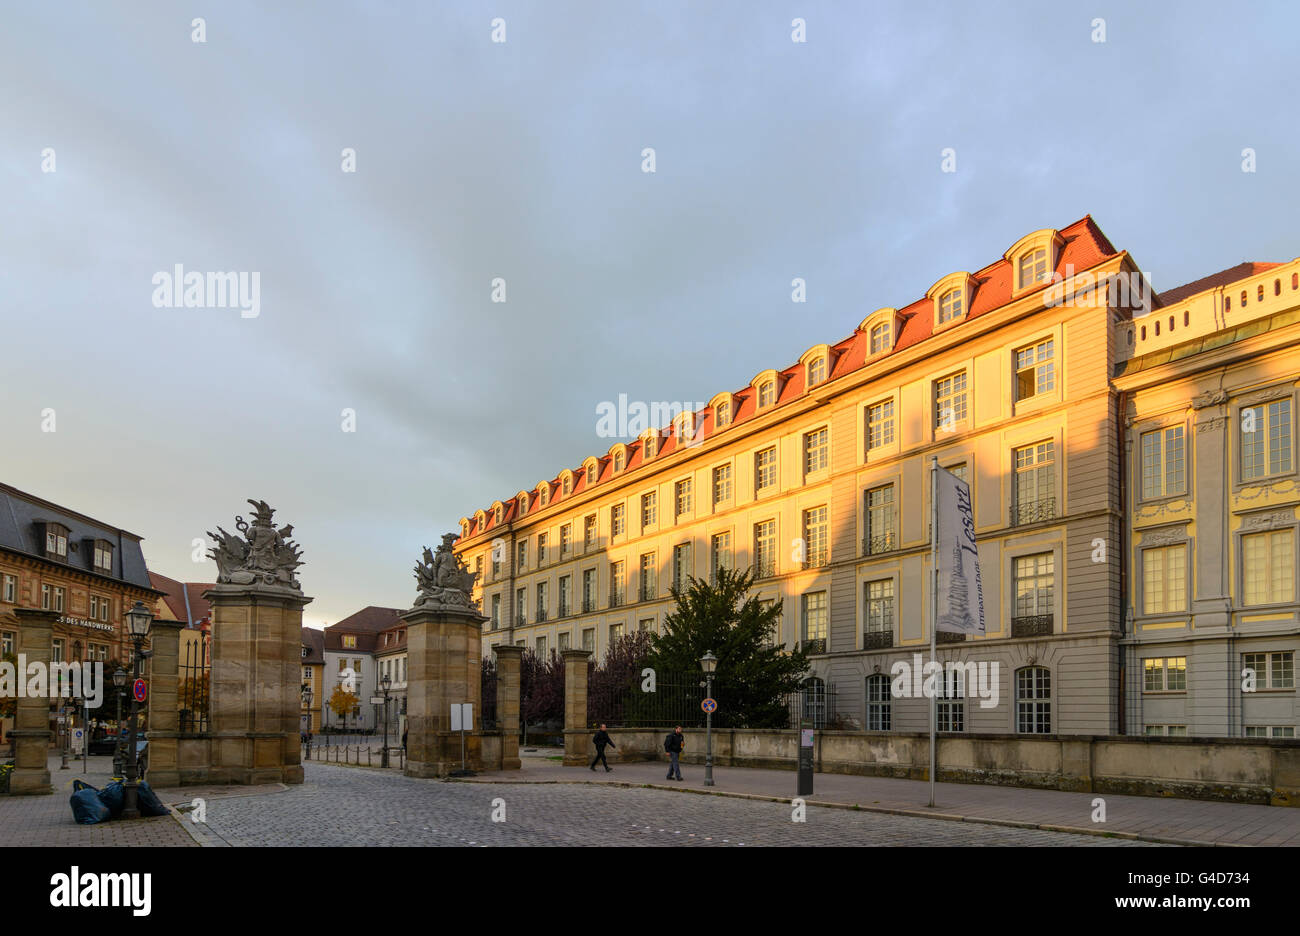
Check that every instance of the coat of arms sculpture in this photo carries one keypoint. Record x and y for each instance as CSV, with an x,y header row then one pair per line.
x,y
262,556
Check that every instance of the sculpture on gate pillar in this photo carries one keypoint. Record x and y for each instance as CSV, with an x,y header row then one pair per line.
x,y
443,579
263,556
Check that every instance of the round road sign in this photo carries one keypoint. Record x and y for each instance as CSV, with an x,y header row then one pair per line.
x,y
709,705
140,690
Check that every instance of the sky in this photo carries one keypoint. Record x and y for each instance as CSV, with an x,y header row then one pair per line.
x,y
127,148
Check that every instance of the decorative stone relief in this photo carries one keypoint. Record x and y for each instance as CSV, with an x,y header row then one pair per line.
x,y
1209,398
443,580
1267,521
263,556
1263,396
1165,536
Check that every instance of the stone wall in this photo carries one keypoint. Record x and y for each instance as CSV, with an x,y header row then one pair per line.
x,y
1231,769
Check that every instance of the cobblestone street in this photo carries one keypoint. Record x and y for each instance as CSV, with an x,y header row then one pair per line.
x,y
340,806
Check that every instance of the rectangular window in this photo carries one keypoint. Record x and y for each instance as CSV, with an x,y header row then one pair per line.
x,y
1164,674
649,509
681,566
1034,700
646,625
588,590
1034,579
94,607
617,583
541,548
816,371
959,471
615,633
521,606
950,401
589,532
566,539
56,656
816,450
45,597
682,495
879,700
10,590
950,701
1266,448
104,604
56,541
103,556
1271,670
1035,370
496,611
496,562
589,639
766,393
878,602
1164,470
1164,579
540,645
773,635
1270,731
880,520
814,622
765,549
58,599
880,335
7,641
721,484
1033,267
816,537
562,641
880,425
521,555
1268,565
765,469
649,587
719,554
617,520
543,602
1034,484
566,593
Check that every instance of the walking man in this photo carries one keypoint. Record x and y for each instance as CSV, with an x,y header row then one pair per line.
x,y
601,740
674,744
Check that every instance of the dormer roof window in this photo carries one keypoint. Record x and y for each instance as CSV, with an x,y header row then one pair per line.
x,y
103,557
56,542
950,305
1033,267
816,371
591,473
618,460
881,337
766,393
1034,257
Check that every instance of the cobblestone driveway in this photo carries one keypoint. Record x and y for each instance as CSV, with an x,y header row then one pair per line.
x,y
354,806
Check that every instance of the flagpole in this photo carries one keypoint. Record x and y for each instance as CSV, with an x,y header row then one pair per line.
x,y
934,606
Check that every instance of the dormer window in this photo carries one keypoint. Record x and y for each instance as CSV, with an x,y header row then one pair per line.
x,y
523,505
464,529
816,371
56,542
950,305
722,414
650,447
1033,267
766,393
591,473
103,557
568,485
618,461
496,513
881,337
541,496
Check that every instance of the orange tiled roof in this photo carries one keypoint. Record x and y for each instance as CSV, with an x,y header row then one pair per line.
x,y
1222,278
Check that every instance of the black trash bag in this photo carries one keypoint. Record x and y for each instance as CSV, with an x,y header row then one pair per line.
x,y
148,801
113,797
87,807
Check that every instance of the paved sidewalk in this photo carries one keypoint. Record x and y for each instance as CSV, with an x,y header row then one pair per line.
x,y
1149,818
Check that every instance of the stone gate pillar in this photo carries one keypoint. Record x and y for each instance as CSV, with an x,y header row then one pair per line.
x,y
443,667
256,653
575,707
31,731
509,660
164,717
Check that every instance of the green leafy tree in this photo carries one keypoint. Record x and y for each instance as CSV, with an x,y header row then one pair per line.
x,y
753,678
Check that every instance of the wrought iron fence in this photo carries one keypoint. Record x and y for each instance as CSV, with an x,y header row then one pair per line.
x,y
1033,511
1034,625
195,687
671,699
488,696
877,640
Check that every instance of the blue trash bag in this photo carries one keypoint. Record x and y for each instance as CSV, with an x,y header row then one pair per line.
x,y
149,803
87,808
113,796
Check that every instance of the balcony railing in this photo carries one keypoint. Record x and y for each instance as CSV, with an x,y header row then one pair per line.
x,y
588,605
1034,625
816,645
948,637
541,617
616,599
1033,511
877,640
874,545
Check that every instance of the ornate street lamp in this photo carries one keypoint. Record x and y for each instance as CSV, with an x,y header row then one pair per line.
x,y
708,663
307,696
138,620
385,682
119,753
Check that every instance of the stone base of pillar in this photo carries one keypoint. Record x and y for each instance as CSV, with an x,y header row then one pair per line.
x,y
252,758
31,773
577,743
443,756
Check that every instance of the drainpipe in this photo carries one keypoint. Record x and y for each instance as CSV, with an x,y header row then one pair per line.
x,y
1126,535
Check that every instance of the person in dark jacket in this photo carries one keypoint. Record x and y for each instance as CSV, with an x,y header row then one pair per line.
x,y
602,739
674,744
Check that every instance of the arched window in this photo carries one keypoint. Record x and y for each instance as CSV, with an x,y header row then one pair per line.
x,y
881,335
722,415
591,473
568,485
950,304
816,371
523,505
1033,267
878,702
766,393
1034,700
618,461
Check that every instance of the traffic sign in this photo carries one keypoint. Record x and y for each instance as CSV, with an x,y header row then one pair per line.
x,y
709,705
140,690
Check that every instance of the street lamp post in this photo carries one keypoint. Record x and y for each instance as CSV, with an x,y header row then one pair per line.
x,y
385,682
138,621
307,696
708,663
119,685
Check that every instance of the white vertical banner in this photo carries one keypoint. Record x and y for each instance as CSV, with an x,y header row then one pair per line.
x,y
960,591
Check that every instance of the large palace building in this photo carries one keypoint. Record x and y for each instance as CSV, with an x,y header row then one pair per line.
x,y
1132,464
